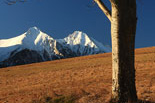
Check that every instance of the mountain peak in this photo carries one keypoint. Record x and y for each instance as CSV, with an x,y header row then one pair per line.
x,y
78,33
79,38
33,30
35,42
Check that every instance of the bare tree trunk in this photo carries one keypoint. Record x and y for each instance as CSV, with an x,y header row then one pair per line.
x,y
123,30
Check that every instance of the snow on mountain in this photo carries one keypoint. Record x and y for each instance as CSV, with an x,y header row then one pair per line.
x,y
39,41
79,42
103,48
9,45
36,46
79,37
33,39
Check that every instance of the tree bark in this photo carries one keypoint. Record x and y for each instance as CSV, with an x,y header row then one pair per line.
x,y
123,30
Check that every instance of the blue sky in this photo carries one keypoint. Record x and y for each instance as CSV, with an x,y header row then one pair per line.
x,y
60,18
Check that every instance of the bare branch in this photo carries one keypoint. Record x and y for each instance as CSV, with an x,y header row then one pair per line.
x,y
103,7
11,2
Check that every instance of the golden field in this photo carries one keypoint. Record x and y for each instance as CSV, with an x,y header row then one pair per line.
x,y
85,79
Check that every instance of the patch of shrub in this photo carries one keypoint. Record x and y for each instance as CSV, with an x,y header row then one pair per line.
x,y
58,99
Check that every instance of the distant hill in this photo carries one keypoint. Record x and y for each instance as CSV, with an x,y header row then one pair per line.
x,y
36,46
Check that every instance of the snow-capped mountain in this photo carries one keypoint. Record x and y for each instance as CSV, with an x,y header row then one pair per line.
x,y
81,44
36,46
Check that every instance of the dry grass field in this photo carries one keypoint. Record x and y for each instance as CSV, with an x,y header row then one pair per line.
x,y
84,79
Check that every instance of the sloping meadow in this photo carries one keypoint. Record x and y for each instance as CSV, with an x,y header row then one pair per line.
x,y
84,79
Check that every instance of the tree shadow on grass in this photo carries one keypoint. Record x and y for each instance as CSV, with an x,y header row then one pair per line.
x,y
144,101
139,101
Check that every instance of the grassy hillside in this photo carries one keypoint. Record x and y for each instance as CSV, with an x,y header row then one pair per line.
x,y
84,79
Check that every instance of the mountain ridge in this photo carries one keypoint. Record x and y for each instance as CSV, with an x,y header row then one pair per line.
x,y
41,45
